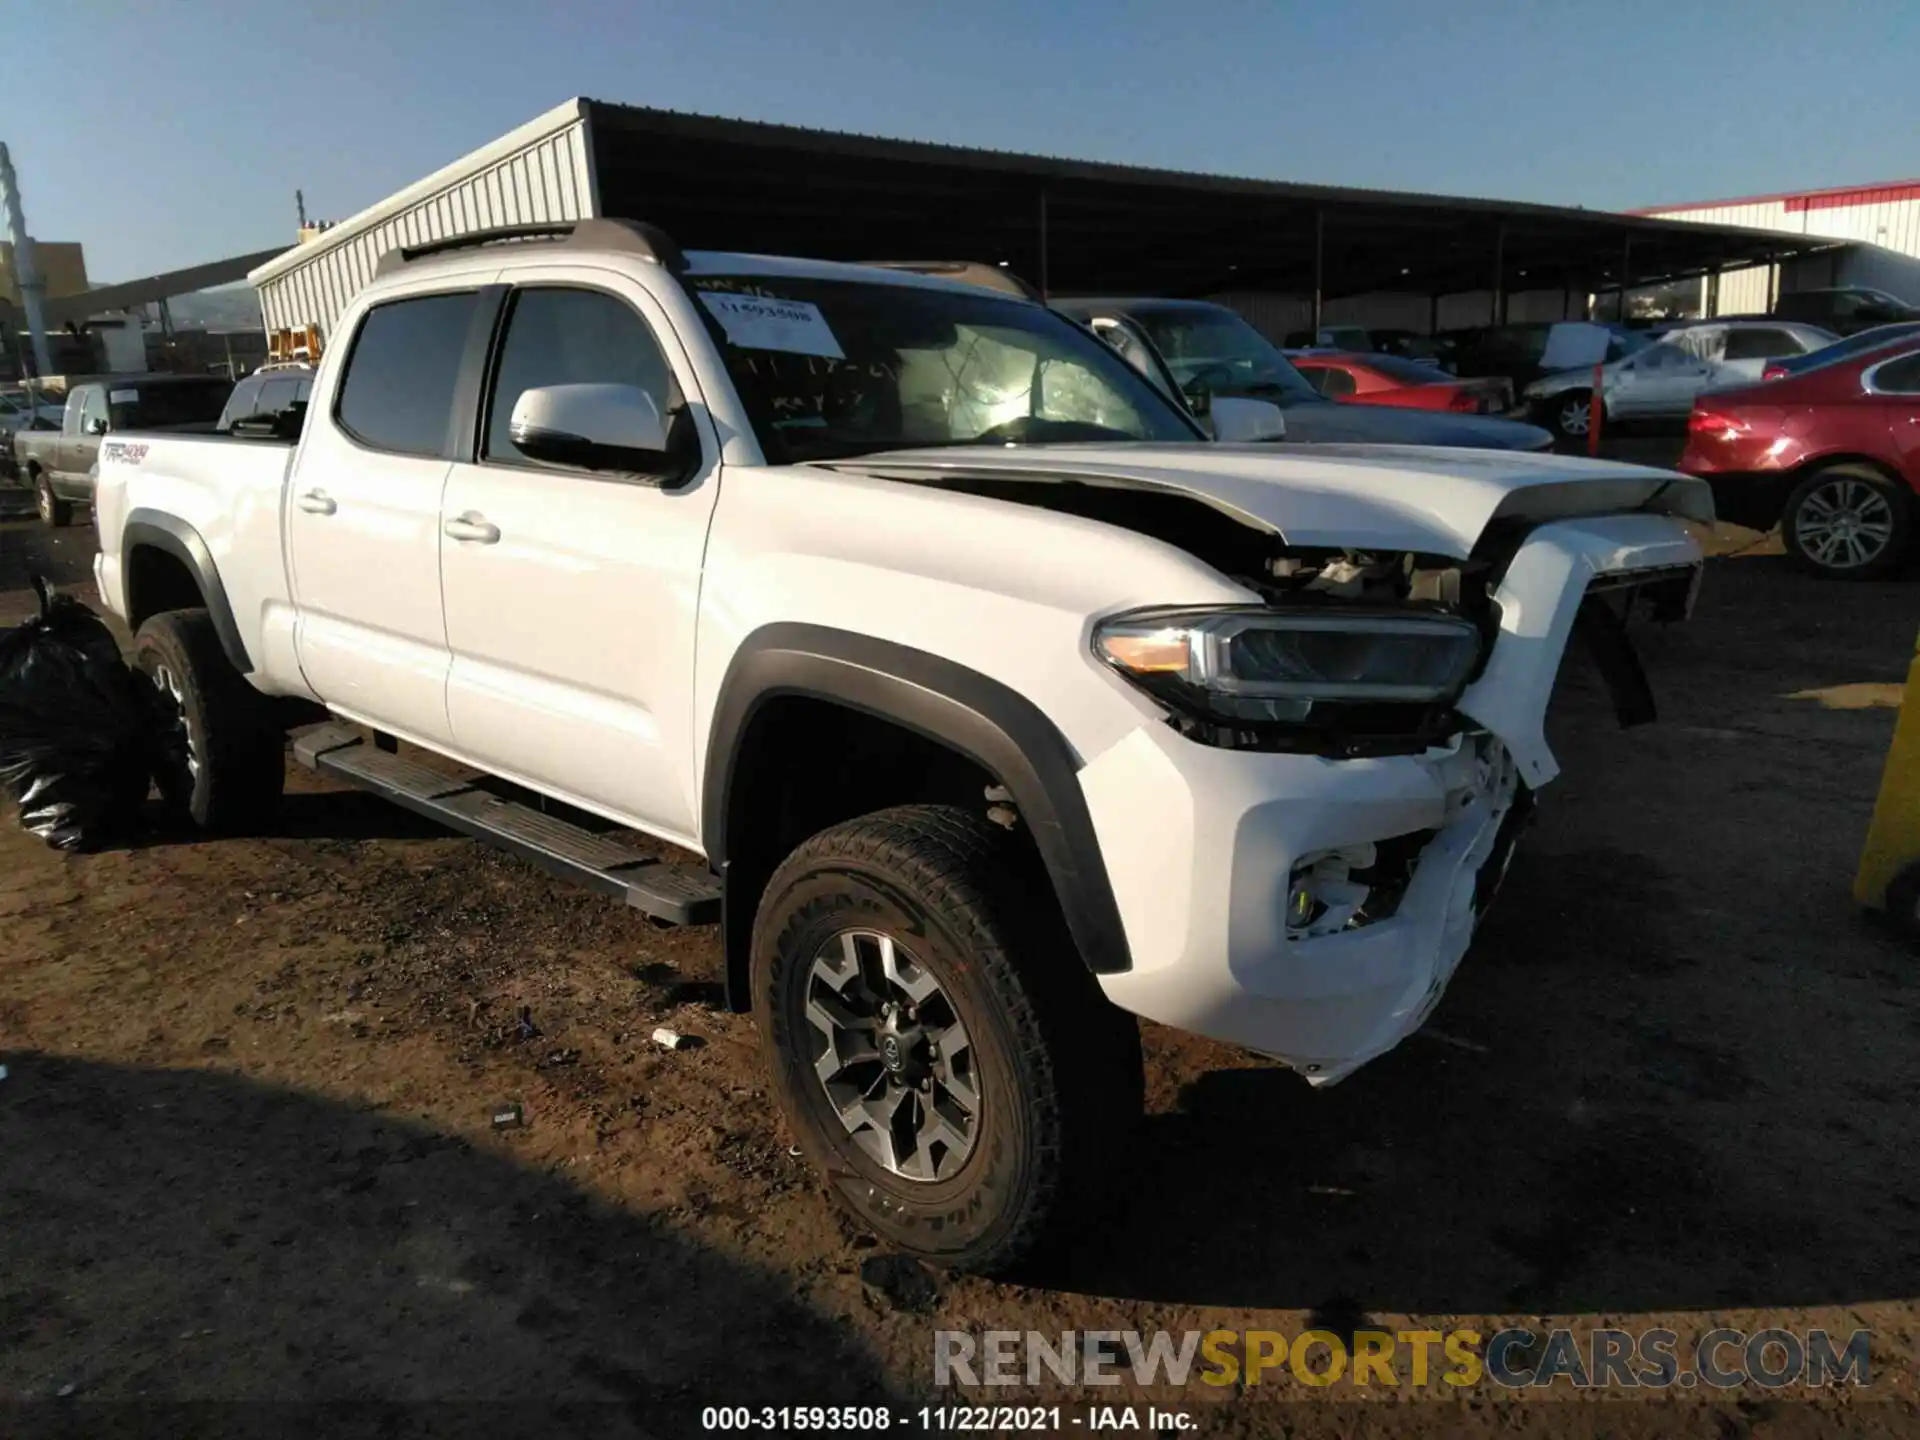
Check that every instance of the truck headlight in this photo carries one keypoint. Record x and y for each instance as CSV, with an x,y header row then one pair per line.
x,y
1259,665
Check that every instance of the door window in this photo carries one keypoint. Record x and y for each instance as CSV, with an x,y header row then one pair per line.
x,y
558,336
397,394
93,408
1702,344
1761,343
1335,382
1898,377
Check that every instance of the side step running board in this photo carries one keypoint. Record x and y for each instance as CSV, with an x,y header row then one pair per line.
x,y
675,894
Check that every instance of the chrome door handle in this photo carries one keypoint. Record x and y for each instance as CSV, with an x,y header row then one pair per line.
x,y
318,502
472,527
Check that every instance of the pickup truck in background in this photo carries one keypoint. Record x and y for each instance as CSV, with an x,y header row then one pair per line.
x,y
58,465
991,701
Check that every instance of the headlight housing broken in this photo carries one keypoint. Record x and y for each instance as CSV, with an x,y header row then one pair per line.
x,y
1264,670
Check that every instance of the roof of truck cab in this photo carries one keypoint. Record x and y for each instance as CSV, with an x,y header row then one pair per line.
x,y
519,254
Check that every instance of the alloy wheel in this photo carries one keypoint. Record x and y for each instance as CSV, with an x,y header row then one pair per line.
x,y
44,498
1844,524
1575,416
892,1056
177,752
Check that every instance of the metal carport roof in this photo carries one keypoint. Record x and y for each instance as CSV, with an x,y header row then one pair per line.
x,y
1081,226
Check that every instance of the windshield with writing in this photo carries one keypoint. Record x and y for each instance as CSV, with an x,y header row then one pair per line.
x,y
1215,349
835,368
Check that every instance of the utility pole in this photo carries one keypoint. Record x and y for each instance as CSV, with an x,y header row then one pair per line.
x,y
300,204
26,273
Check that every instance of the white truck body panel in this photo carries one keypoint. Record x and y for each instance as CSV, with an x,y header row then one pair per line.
x,y
583,649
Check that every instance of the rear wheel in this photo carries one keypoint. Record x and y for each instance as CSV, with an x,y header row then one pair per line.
x,y
55,513
939,1049
220,760
1848,522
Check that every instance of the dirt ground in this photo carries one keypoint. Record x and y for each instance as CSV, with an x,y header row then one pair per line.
x,y
247,1159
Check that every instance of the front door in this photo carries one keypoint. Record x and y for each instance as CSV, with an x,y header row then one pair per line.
x,y
363,517
80,443
1660,380
571,595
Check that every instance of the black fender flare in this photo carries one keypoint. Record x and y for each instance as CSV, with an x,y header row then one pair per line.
x,y
177,538
991,724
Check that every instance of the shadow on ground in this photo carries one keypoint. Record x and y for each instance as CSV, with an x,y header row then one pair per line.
x,y
189,1235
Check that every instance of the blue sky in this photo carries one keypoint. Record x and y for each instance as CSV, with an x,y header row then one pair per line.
x,y
164,133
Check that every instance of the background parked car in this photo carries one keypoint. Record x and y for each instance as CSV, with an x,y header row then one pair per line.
x,y
1393,380
1194,349
268,393
1522,354
19,411
1356,340
58,465
1331,337
1831,453
1660,380
1845,310
1878,338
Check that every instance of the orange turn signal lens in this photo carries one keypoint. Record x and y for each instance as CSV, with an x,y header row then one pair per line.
x,y
1158,652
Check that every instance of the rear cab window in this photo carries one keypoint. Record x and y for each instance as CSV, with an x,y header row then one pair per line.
x,y
156,404
397,391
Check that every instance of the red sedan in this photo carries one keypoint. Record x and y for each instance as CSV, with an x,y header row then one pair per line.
x,y
1831,452
1393,380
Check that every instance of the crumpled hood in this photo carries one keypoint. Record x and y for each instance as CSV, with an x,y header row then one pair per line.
x,y
1363,497
1387,425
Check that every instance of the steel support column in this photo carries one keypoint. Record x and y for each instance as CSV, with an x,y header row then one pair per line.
x,y
1043,245
1498,308
1319,267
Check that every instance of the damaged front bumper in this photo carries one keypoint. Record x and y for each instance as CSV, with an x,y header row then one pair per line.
x,y
1314,909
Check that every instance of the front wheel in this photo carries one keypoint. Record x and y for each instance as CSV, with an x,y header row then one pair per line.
x,y
1570,416
219,760
938,1048
1848,522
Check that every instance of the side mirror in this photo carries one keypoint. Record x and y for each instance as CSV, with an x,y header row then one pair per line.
x,y
1239,421
96,426
1199,397
596,427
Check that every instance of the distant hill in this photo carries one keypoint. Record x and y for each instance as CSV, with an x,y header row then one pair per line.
x,y
232,307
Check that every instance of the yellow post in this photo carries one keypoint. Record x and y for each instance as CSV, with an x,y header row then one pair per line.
x,y
1893,839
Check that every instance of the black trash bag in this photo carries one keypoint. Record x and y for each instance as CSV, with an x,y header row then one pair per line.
x,y
76,727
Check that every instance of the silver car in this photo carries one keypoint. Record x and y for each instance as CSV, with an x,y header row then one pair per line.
x,y
1660,381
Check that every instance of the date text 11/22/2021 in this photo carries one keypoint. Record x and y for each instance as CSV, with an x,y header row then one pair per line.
x,y
948,1419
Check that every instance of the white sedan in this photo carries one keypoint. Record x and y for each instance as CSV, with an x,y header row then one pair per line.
x,y
1661,380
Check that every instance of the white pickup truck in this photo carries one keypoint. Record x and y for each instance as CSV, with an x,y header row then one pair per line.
x,y
992,702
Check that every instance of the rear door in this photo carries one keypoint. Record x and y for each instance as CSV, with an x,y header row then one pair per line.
x,y
571,595
363,509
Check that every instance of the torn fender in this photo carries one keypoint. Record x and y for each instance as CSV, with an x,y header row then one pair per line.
x,y
1539,600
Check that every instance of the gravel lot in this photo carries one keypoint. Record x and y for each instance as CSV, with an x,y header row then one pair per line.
x,y
246,1150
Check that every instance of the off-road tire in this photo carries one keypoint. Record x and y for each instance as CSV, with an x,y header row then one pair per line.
x,y
55,513
1057,1066
1901,506
240,751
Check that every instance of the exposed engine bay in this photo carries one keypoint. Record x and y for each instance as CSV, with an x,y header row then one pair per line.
x,y
1285,575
